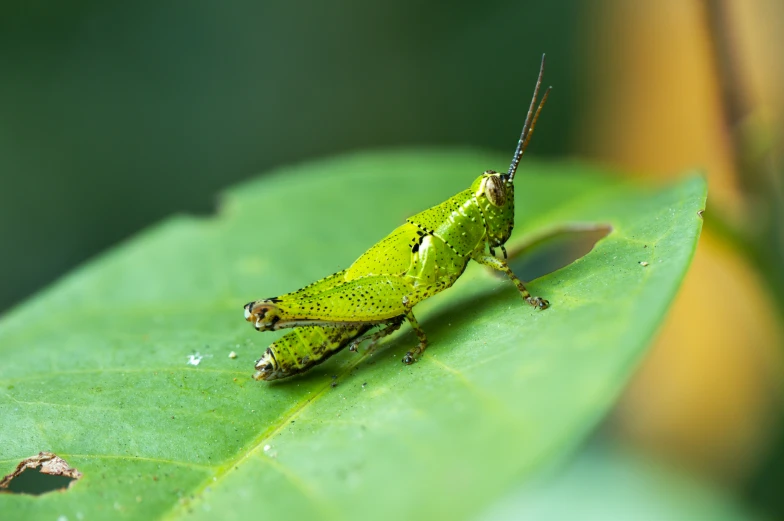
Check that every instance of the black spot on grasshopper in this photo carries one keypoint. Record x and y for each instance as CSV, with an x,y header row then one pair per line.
x,y
418,243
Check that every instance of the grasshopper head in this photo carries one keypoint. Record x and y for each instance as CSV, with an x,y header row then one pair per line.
x,y
494,191
266,367
263,313
495,195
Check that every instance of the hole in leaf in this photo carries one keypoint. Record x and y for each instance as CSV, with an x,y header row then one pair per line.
x,y
40,474
555,249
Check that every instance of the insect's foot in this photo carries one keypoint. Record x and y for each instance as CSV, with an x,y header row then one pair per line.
x,y
538,302
412,355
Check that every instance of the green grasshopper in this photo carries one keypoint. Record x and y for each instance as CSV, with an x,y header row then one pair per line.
x,y
424,256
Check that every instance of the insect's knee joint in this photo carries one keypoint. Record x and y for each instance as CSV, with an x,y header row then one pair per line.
x,y
263,313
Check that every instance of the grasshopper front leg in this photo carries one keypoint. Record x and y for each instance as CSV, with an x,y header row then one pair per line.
x,y
501,265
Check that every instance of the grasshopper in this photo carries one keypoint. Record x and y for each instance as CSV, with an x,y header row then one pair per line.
x,y
424,256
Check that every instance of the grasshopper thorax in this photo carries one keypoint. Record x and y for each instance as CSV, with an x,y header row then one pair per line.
x,y
494,194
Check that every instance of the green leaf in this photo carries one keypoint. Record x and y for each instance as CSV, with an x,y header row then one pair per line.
x,y
95,368
603,483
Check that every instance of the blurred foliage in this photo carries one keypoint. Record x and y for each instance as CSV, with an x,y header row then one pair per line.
x,y
502,391
118,114
605,482
710,93
702,83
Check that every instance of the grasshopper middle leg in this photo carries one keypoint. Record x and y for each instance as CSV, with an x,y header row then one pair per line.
x,y
501,265
390,328
412,355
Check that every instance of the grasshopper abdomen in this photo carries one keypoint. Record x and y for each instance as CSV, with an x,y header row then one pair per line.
x,y
303,348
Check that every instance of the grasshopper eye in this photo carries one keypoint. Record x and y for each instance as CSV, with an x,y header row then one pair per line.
x,y
495,190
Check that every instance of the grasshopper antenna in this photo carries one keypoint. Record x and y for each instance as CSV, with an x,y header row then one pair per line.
x,y
530,123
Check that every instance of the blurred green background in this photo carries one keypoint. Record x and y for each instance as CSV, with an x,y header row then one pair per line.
x,y
115,116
